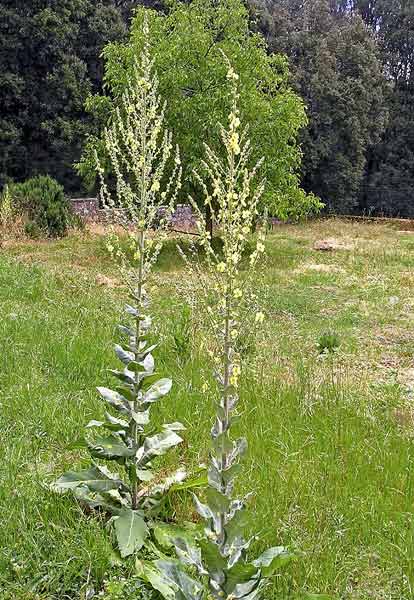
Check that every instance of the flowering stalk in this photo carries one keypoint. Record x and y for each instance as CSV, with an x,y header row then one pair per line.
x,y
220,557
140,150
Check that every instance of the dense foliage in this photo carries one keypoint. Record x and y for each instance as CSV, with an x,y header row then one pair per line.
x,y
41,200
351,61
187,46
49,64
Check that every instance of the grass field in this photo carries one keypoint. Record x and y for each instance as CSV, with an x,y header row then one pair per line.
x,y
330,437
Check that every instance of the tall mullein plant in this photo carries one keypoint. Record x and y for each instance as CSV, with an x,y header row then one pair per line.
x,y
147,175
220,557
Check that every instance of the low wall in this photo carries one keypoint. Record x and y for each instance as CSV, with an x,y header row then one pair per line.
x,y
88,209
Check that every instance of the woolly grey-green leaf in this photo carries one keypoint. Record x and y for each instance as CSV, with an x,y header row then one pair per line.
x,y
110,447
156,445
156,391
95,478
131,532
115,399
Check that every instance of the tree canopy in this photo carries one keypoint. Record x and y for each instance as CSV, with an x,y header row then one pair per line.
x,y
189,45
350,61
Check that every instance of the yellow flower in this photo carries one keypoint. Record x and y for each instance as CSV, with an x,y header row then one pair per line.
x,y
231,74
155,186
259,317
236,370
110,248
246,230
234,333
234,381
221,267
238,293
234,143
260,247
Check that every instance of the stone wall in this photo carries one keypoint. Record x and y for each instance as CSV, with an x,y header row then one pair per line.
x,y
183,217
86,208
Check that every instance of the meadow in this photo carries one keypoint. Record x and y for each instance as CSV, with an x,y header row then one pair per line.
x,y
330,433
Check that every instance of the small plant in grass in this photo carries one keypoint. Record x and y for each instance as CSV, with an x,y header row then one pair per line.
x,y
139,149
220,556
328,343
181,334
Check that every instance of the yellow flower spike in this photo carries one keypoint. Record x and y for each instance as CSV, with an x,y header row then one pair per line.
x,y
155,186
234,143
259,318
236,370
234,381
221,267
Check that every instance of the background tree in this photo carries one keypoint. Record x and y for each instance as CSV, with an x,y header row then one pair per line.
x,y
187,47
337,71
49,64
389,182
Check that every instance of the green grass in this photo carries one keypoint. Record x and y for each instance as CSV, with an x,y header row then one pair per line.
x,y
330,437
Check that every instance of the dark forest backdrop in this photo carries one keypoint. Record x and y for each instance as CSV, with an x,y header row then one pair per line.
x,y
351,60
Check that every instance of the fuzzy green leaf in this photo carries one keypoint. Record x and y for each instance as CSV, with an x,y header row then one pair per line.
x,y
156,391
110,447
273,559
166,533
186,587
125,376
176,426
211,556
152,575
124,355
202,509
111,501
217,502
147,365
131,310
131,531
157,445
141,418
115,399
95,478
242,574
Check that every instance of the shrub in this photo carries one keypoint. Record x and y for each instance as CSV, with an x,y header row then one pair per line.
x,y
42,200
